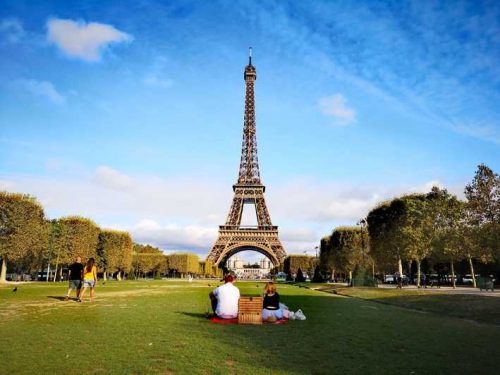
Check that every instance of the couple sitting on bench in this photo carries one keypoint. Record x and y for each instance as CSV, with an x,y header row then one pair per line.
x,y
225,301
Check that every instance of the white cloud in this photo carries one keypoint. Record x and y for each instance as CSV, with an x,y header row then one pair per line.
x,y
42,89
488,132
181,214
82,40
155,81
11,29
336,106
111,178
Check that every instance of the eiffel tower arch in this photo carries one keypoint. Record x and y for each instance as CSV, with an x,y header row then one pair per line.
x,y
233,236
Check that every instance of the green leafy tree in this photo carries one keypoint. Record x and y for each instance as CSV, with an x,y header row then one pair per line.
x,y
347,249
79,237
293,262
300,276
184,263
23,229
388,244
448,237
115,251
482,212
317,278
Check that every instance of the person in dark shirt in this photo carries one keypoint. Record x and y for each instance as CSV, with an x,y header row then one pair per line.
x,y
271,310
75,277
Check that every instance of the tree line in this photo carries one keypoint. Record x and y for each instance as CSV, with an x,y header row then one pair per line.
x,y
433,228
29,243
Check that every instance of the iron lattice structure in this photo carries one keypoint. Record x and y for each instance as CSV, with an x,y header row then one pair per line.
x,y
233,237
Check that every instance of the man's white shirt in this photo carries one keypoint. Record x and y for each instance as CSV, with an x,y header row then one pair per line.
x,y
227,305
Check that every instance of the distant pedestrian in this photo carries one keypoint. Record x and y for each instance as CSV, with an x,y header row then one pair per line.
x,y
397,279
422,281
89,278
75,276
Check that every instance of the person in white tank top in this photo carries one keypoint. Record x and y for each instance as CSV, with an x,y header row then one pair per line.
x,y
225,299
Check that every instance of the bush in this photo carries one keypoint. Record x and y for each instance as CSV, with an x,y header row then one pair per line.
x,y
361,278
317,278
300,276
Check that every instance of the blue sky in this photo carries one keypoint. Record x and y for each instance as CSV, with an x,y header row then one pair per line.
x,y
131,113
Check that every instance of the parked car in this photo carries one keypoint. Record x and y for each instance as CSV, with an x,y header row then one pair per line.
x,y
389,279
467,279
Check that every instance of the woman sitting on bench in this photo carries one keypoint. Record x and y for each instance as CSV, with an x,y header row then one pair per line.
x,y
271,311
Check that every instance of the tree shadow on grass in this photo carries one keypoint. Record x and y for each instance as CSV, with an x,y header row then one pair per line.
x,y
202,316
352,336
61,298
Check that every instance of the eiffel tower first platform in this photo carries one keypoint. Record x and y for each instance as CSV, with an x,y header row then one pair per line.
x,y
233,237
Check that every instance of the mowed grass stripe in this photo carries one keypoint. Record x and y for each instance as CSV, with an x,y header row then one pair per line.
x,y
158,327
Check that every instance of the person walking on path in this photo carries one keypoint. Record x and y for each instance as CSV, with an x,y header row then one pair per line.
x,y
89,279
225,299
75,276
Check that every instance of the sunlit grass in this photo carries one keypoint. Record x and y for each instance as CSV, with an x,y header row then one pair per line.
x,y
159,327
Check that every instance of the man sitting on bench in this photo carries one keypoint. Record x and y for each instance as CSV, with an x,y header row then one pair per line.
x,y
225,299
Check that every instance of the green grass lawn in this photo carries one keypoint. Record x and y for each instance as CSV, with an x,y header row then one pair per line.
x,y
466,306
158,327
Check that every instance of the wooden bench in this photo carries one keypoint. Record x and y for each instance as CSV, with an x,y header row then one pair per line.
x,y
250,310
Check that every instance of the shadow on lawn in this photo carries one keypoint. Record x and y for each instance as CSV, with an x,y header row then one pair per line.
x,y
61,298
203,316
353,335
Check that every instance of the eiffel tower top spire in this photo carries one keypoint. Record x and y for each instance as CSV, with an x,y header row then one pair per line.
x,y
249,165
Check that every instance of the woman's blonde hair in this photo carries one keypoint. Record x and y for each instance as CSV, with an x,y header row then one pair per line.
x,y
270,288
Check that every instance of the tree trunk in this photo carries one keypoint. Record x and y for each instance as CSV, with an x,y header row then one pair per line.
x,y
373,270
119,276
453,274
57,265
400,269
418,274
333,274
105,276
472,271
3,272
55,274
350,278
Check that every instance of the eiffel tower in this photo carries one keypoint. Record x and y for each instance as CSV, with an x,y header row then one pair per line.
x,y
233,237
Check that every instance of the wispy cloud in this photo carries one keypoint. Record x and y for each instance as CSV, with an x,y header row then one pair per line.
x,y
487,132
85,41
11,29
336,106
111,178
41,89
155,81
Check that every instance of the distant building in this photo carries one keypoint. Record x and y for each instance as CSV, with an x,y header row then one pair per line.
x,y
244,271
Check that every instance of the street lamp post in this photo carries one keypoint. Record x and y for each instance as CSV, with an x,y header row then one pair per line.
x,y
362,224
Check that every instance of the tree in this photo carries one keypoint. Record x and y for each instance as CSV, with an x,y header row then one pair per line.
x,y
293,262
385,235
300,276
347,249
417,225
147,258
483,211
317,278
115,251
79,237
184,263
448,236
23,229
56,250
326,258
